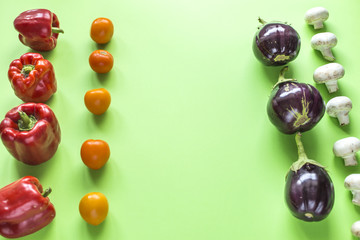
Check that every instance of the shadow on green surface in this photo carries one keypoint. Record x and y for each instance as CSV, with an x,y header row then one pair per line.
x,y
92,232
316,230
272,73
308,230
103,77
36,171
96,231
99,119
96,175
318,55
99,125
51,100
288,146
45,232
325,93
103,46
346,128
40,170
345,170
356,208
47,55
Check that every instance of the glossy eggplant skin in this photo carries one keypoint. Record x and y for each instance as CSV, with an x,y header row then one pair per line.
x,y
295,107
276,44
309,193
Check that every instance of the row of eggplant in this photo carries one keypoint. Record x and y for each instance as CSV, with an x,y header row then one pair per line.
x,y
295,107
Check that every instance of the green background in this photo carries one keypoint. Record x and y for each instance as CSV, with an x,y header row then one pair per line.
x,y
193,154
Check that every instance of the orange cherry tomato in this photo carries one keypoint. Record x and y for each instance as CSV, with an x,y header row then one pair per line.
x,y
95,153
94,208
102,30
101,61
97,101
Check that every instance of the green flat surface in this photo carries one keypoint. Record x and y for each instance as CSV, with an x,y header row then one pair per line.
x,y
194,156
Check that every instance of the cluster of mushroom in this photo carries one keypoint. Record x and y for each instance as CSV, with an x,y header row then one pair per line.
x,y
328,74
321,41
337,107
346,148
352,183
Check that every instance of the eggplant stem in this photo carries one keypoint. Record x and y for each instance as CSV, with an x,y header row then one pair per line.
x,y
300,147
262,21
282,78
303,159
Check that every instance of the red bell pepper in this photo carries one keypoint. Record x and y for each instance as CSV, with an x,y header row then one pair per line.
x,y
32,77
31,133
24,208
38,29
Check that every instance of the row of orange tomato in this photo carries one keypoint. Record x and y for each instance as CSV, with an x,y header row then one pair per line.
x,y
94,206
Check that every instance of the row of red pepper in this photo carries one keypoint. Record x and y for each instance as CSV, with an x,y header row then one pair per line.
x,y
30,131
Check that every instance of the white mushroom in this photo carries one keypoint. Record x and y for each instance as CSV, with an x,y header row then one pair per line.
x,y
339,107
352,183
329,74
324,42
355,229
316,16
346,148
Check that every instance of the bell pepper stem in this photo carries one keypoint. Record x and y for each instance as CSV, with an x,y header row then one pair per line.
x,y
26,122
47,192
27,69
57,30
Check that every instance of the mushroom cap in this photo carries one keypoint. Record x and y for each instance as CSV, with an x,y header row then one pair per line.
x,y
315,14
338,104
352,182
330,71
323,40
355,229
346,146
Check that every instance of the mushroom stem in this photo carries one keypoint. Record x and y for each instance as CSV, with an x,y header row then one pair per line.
x,y
350,160
343,118
356,197
332,86
318,25
327,54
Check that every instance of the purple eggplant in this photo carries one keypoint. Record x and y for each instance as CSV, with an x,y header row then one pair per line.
x,y
276,43
294,107
309,190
